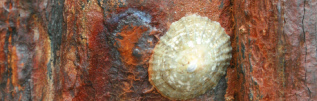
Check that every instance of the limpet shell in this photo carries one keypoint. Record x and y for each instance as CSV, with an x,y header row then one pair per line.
x,y
190,58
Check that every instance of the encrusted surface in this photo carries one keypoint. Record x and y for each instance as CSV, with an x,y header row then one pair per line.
x,y
274,51
190,58
80,50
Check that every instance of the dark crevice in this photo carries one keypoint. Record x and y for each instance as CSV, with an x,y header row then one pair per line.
x,y
303,25
55,30
305,45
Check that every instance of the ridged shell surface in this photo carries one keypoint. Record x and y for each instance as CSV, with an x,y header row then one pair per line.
x,y
190,58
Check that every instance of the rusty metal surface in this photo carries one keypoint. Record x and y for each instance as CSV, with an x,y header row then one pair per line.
x,y
275,58
99,49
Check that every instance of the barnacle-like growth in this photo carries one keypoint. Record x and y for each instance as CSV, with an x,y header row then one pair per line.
x,y
190,58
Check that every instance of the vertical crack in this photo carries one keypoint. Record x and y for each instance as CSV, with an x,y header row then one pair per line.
x,y
304,35
303,27
316,37
281,48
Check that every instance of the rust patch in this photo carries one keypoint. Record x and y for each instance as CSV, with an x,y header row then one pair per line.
x,y
129,37
40,61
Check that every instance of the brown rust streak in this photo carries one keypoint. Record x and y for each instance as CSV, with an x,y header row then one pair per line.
x,y
73,75
254,54
98,52
42,50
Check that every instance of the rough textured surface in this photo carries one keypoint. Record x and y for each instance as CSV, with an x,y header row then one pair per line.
x,y
274,53
190,58
99,49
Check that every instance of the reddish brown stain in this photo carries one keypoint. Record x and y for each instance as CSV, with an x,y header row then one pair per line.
x,y
40,62
99,56
2,54
274,48
273,67
255,66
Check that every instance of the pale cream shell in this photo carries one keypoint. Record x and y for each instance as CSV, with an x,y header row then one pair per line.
x,y
190,58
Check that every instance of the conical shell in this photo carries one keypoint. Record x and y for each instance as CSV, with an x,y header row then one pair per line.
x,y
190,58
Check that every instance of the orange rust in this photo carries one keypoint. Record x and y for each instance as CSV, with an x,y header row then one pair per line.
x,y
13,62
130,36
256,66
261,74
